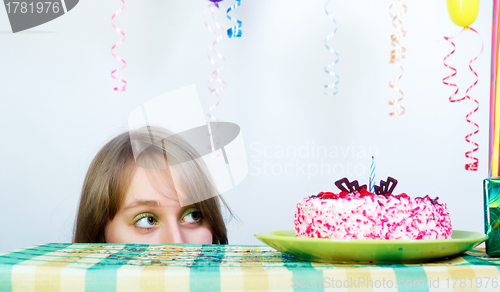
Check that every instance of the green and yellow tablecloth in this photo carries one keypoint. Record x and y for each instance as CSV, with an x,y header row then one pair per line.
x,y
187,267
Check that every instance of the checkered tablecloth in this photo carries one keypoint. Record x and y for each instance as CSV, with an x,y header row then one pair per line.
x,y
187,267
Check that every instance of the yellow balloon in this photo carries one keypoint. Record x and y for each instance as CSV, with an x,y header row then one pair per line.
x,y
463,12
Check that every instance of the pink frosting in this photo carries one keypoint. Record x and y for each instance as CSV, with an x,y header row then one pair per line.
x,y
372,217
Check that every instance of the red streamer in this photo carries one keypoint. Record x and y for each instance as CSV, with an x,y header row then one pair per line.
x,y
121,88
453,74
472,166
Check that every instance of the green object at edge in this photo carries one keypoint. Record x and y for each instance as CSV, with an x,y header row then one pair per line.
x,y
491,190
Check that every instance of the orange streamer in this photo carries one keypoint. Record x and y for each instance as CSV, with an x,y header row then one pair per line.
x,y
397,55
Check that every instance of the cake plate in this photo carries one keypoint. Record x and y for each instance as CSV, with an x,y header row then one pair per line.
x,y
358,251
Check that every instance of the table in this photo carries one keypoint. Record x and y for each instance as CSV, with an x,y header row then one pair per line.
x,y
189,267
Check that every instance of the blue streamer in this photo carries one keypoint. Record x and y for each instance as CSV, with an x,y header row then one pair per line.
x,y
234,31
332,85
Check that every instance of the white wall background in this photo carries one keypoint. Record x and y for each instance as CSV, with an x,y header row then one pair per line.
x,y
58,105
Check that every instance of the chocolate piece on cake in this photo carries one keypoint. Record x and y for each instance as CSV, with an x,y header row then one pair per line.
x,y
350,187
386,187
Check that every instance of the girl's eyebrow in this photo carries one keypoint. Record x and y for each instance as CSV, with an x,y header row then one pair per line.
x,y
148,203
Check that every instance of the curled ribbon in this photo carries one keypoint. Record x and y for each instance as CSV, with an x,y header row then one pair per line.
x,y
332,85
454,71
234,31
121,88
472,166
213,77
397,55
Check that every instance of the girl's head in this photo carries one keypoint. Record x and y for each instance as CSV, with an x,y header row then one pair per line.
x,y
127,200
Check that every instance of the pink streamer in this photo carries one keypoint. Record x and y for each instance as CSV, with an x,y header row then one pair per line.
x,y
213,77
121,88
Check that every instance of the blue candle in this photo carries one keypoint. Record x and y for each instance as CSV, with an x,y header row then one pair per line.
x,y
371,181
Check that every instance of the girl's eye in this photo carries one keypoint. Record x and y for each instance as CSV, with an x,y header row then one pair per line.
x,y
191,216
146,221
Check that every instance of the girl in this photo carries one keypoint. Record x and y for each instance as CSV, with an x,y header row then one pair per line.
x,y
127,200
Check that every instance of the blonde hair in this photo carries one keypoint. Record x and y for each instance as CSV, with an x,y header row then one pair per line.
x,y
110,173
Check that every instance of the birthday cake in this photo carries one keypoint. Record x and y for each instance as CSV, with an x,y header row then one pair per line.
x,y
356,213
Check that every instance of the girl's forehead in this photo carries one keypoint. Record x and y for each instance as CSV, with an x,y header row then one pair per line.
x,y
152,185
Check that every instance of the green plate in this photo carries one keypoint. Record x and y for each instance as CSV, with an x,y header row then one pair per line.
x,y
371,251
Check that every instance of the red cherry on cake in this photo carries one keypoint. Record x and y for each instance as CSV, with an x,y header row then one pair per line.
x,y
363,193
329,195
403,195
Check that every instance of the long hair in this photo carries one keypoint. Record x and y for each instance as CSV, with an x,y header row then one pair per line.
x,y
110,173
